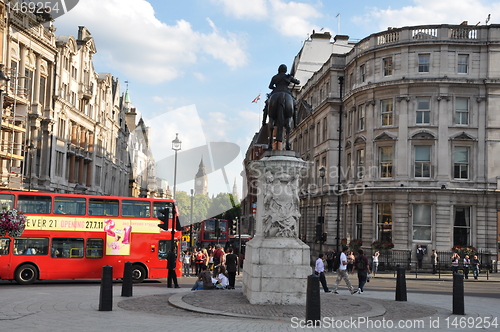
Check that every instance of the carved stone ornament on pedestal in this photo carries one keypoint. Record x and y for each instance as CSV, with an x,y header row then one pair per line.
x,y
281,202
277,262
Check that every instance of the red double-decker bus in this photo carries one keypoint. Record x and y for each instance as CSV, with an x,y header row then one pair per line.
x,y
74,236
212,232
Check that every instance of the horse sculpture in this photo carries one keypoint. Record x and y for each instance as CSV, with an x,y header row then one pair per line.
x,y
280,106
280,109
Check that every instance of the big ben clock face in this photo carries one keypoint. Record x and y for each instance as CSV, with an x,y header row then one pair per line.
x,y
198,182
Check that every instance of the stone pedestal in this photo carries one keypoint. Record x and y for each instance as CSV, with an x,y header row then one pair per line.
x,y
277,263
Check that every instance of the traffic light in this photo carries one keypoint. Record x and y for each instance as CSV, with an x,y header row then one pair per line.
x,y
234,227
323,237
319,232
164,218
217,228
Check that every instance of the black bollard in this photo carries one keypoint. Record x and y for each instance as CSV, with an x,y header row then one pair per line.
x,y
458,294
106,296
127,280
313,301
401,285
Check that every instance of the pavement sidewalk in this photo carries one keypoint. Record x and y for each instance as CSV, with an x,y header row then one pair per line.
x,y
154,307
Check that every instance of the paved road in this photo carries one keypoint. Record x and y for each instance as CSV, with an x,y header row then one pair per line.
x,y
73,307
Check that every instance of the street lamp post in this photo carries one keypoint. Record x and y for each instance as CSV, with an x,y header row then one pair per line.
x,y
337,238
176,146
191,219
238,224
321,221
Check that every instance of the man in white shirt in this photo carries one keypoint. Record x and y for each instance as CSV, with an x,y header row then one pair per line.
x,y
320,271
342,273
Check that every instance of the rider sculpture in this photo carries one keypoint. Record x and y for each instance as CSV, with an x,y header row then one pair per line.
x,y
280,105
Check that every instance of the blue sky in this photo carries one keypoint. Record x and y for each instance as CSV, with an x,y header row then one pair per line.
x,y
194,66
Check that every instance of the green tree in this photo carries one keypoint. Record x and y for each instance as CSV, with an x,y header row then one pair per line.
x,y
200,208
220,204
204,207
184,206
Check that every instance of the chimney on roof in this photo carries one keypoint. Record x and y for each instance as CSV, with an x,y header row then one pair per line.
x,y
83,33
321,35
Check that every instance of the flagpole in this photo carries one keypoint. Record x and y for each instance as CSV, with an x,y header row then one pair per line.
x,y
256,100
260,113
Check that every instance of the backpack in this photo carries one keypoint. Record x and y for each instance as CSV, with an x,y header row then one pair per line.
x,y
361,264
336,262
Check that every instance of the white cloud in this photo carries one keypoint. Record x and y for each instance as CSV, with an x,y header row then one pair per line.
x,y
200,77
158,99
293,18
248,9
429,12
228,49
185,121
133,40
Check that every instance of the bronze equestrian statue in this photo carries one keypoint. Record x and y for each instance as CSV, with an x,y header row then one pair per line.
x,y
280,106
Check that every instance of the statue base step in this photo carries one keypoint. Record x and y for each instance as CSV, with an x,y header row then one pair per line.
x,y
276,270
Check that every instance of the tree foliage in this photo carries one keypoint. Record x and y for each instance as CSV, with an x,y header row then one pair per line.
x,y
221,206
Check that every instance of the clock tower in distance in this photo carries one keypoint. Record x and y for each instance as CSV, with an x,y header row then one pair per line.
x,y
201,180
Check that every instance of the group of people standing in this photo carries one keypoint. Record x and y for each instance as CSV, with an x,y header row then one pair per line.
x,y
213,267
344,263
467,264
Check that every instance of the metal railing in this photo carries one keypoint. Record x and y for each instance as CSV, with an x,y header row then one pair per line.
x,y
390,259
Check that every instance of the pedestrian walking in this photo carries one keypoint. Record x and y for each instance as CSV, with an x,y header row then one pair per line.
x,y
375,256
330,257
455,262
420,255
475,266
231,267
466,266
434,260
193,262
186,264
217,259
200,260
342,273
350,261
361,265
319,270
171,265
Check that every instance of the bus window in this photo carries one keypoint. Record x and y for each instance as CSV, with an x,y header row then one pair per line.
x,y
34,204
209,225
70,205
67,248
94,248
4,246
160,206
30,246
137,209
103,207
164,247
6,201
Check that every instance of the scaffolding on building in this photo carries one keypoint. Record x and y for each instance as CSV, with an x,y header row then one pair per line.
x,y
13,130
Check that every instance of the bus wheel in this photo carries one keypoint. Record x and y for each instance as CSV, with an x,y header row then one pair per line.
x,y
26,274
138,274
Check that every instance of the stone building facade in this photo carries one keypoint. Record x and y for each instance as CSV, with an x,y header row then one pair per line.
x,y
417,113
63,125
